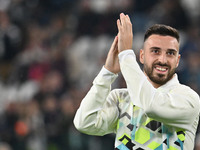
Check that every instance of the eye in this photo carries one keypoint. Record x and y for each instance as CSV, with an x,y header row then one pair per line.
x,y
171,53
155,51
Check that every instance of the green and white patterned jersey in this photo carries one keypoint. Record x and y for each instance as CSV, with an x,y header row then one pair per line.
x,y
143,118
135,130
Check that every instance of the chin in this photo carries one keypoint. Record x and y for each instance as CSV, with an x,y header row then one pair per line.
x,y
160,80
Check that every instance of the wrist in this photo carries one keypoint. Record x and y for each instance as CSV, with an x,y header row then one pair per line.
x,y
109,70
124,50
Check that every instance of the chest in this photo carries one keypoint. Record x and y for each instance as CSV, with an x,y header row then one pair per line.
x,y
136,130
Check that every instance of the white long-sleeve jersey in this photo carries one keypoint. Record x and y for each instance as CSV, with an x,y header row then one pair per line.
x,y
143,117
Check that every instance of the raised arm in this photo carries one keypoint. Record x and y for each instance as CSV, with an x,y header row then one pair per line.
x,y
93,116
176,105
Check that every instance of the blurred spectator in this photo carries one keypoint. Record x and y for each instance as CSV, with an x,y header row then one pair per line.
x,y
139,6
4,4
10,38
191,43
51,84
190,75
10,43
52,122
171,12
85,56
5,146
35,120
193,8
197,145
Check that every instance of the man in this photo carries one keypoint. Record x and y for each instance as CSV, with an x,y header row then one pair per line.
x,y
155,112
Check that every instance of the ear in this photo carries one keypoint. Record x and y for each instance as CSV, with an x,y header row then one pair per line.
x,y
142,56
179,56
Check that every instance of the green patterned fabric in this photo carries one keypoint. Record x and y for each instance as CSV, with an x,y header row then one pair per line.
x,y
143,132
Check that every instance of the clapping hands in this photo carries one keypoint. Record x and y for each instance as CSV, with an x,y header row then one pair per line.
x,y
122,41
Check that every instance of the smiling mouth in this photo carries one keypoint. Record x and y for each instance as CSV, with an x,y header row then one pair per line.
x,y
161,69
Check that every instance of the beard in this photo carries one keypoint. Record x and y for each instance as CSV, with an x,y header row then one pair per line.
x,y
160,79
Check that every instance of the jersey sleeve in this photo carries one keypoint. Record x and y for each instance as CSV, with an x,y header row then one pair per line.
x,y
178,106
98,111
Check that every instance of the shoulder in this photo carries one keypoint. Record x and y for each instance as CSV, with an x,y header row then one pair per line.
x,y
188,94
186,90
123,92
120,94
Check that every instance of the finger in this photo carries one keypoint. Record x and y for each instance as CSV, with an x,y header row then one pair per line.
x,y
123,19
114,44
115,41
129,22
128,18
118,25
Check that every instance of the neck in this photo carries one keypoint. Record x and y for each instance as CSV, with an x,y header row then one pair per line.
x,y
155,85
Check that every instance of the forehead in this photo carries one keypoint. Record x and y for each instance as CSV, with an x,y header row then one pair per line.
x,y
163,42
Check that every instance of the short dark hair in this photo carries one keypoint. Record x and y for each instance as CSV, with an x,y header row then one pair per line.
x,y
163,30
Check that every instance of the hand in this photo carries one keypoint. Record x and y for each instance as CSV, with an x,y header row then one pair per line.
x,y
112,60
125,34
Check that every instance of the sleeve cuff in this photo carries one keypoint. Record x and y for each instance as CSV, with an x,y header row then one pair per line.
x,y
122,54
106,71
105,77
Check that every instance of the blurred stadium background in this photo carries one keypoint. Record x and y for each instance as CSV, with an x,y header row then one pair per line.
x,y
50,52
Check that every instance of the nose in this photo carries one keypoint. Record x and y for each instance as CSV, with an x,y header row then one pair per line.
x,y
162,58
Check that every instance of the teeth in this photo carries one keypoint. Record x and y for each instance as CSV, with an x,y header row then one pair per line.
x,y
161,69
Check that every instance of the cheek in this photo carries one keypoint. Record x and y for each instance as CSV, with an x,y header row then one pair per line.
x,y
148,61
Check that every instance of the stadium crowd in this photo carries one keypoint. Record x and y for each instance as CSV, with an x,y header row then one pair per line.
x,y
51,50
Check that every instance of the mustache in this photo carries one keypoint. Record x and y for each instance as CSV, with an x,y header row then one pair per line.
x,y
161,64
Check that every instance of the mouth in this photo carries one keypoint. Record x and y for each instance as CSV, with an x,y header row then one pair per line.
x,y
161,69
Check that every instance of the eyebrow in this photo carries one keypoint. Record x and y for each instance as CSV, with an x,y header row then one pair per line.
x,y
174,50
158,48
155,48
